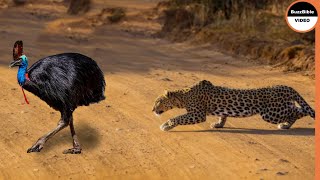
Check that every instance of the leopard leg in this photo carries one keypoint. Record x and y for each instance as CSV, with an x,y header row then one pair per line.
x,y
268,117
286,125
220,123
299,113
186,119
296,114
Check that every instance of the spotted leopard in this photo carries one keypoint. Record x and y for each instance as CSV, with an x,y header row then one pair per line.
x,y
275,105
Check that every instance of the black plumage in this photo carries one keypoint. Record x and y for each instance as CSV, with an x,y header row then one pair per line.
x,y
64,81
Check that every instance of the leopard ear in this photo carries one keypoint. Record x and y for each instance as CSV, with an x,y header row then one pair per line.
x,y
17,50
169,94
166,93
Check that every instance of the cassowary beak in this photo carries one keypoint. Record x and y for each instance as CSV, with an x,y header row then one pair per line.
x,y
15,63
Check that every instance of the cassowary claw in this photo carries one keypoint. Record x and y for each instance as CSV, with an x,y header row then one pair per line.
x,y
72,151
36,148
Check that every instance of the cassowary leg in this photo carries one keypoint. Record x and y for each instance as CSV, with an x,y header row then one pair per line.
x,y
76,145
41,141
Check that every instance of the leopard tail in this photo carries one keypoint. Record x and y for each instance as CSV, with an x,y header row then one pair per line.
x,y
304,105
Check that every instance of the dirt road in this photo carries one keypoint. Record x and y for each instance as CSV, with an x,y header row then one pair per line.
x,y
121,138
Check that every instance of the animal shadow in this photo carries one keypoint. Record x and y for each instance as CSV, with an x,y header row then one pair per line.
x,y
88,137
289,132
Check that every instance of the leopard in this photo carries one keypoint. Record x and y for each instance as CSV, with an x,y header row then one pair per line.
x,y
279,104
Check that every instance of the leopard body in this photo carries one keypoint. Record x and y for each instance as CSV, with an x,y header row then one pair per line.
x,y
276,105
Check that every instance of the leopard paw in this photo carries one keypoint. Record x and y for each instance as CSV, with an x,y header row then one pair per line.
x,y
284,125
216,125
166,127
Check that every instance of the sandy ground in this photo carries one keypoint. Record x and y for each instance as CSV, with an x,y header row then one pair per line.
x,y
120,136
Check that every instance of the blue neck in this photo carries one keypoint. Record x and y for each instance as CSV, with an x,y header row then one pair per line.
x,y
22,75
22,71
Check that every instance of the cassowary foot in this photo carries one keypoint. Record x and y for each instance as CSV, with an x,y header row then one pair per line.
x,y
36,147
75,150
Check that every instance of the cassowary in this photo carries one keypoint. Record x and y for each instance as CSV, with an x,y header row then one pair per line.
x,y
64,81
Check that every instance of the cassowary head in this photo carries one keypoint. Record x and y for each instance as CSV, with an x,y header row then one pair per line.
x,y
22,61
18,58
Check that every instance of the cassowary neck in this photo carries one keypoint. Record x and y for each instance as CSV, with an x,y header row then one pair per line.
x,y
22,73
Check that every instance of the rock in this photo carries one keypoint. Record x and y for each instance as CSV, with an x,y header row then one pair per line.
x,y
282,173
166,79
283,160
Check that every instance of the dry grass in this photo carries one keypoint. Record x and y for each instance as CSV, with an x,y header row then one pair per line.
x,y
82,26
256,29
79,6
116,15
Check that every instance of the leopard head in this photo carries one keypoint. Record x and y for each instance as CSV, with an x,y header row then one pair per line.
x,y
163,103
167,101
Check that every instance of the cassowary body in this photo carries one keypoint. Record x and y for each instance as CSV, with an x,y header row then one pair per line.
x,y
64,81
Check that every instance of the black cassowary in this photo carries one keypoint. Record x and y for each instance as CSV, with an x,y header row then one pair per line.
x,y
64,81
